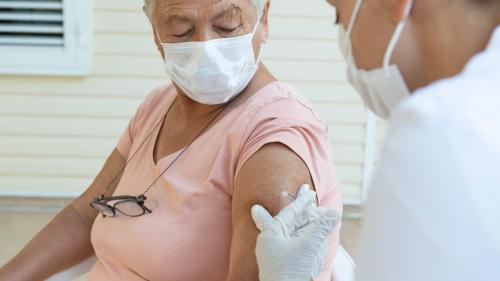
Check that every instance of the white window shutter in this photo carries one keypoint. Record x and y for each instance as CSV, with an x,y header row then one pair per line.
x,y
45,37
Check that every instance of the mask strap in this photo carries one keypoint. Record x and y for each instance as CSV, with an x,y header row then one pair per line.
x,y
259,15
260,12
255,27
260,49
354,15
158,36
396,36
259,57
348,31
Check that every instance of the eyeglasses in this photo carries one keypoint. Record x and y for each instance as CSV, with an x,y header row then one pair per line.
x,y
131,206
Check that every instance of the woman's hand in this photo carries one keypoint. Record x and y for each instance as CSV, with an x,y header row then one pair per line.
x,y
292,245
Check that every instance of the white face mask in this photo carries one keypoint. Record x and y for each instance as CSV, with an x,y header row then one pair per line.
x,y
381,89
212,72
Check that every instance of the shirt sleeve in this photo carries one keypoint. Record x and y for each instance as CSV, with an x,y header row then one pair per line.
x,y
293,124
296,126
421,221
127,138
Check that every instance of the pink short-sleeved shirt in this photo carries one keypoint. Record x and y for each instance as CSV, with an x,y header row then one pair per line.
x,y
188,234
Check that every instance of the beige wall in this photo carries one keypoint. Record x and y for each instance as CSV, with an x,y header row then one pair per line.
x,y
55,132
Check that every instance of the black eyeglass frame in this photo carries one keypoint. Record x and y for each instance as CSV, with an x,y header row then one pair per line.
x,y
103,201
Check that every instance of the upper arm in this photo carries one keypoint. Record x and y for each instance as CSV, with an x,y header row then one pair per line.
x,y
284,147
274,168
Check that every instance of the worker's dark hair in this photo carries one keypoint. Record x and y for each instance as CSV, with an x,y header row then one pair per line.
x,y
485,2
490,7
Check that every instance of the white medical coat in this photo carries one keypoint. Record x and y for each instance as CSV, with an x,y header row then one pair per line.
x,y
434,208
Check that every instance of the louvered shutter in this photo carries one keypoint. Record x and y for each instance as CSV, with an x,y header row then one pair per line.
x,y
45,37
31,23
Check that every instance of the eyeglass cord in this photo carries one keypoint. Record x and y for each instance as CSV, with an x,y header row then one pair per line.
x,y
137,150
180,154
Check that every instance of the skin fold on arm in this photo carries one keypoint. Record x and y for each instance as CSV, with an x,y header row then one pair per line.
x,y
65,240
266,174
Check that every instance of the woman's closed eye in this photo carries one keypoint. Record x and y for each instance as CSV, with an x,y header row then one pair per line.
x,y
182,34
228,31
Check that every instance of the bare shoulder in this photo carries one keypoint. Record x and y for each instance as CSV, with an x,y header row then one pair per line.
x,y
272,169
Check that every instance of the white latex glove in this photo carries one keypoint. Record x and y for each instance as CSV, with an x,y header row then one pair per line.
x,y
292,246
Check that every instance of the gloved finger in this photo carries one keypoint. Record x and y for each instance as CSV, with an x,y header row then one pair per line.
x,y
305,198
310,215
295,214
320,230
303,190
310,211
314,213
261,217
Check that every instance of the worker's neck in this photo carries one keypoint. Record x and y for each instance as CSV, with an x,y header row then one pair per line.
x,y
450,39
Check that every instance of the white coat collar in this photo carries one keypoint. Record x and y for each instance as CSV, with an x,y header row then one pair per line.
x,y
495,38
487,60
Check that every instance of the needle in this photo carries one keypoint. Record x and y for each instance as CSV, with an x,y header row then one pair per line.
x,y
289,196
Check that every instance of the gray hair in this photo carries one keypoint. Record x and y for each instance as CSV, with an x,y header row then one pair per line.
x,y
149,7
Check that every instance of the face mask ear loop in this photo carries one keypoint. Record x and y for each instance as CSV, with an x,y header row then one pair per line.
x,y
259,16
157,36
395,38
354,16
260,49
159,40
350,27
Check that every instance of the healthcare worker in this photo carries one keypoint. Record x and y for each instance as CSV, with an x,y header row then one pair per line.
x,y
434,211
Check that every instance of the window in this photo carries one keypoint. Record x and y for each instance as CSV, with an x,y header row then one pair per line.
x,y
45,37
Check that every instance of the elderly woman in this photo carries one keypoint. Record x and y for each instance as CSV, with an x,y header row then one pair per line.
x,y
176,193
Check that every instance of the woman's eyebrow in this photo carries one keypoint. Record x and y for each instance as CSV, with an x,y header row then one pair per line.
x,y
232,8
177,18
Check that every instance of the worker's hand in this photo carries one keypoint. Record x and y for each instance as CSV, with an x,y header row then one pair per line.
x,y
292,246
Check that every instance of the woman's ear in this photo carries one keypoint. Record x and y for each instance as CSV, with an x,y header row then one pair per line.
x,y
264,21
397,9
146,14
157,42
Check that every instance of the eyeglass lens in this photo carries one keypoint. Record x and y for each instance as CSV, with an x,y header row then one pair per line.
x,y
104,209
129,208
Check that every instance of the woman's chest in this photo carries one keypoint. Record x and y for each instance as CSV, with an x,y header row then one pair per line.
x,y
186,237
188,234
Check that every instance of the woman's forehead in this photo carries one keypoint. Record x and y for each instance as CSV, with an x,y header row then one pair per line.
x,y
207,8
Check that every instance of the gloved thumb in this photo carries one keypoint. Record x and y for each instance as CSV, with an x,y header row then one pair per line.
x,y
261,217
319,231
